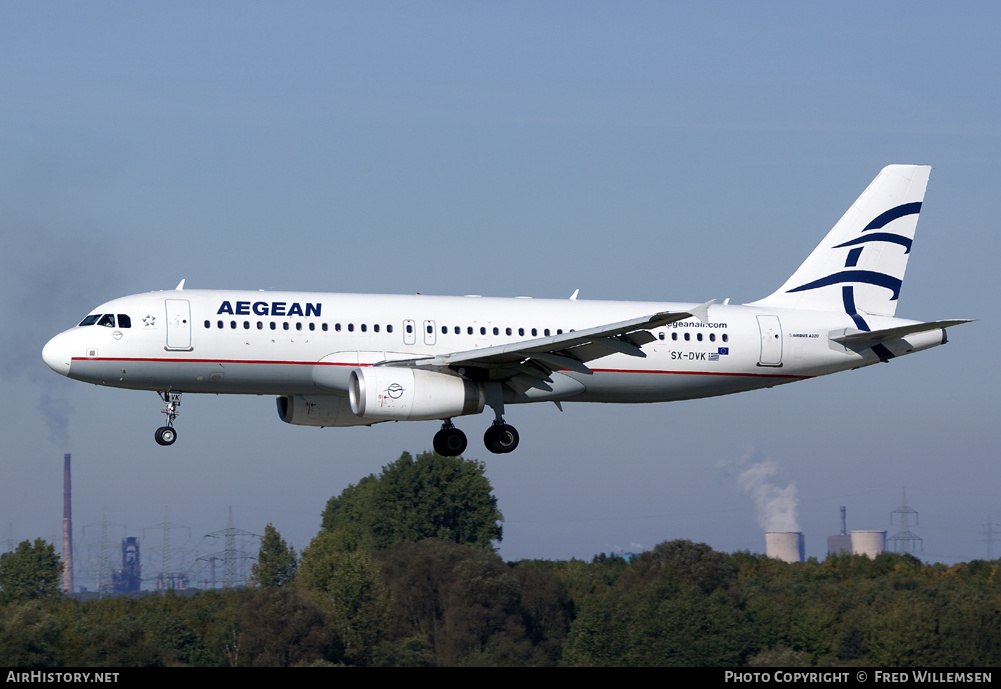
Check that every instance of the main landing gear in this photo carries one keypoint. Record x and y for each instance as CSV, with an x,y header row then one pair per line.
x,y
500,439
166,435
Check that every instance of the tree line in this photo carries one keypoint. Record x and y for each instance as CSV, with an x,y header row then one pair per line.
x,y
404,572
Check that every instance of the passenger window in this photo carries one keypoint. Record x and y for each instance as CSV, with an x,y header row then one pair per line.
x,y
273,325
674,336
285,325
323,327
688,336
483,331
351,327
660,335
298,326
712,337
507,331
444,330
107,320
126,322
458,330
726,338
698,337
496,331
232,325
469,330
246,325
546,332
364,327
375,327
389,328
208,324
219,325
260,325
534,332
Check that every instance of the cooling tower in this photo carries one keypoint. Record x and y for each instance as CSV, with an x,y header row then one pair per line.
x,y
785,545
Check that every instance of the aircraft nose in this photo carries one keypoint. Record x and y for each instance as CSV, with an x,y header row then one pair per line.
x,y
57,354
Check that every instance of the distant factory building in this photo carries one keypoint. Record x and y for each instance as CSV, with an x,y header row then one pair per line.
x,y
842,542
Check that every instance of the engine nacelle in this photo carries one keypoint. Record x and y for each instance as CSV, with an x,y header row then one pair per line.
x,y
407,394
332,410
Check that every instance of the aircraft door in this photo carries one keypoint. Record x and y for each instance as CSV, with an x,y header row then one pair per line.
x,y
178,324
429,332
771,341
409,332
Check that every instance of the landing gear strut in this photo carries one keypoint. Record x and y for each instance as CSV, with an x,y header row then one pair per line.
x,y
449,441
166,435
501,437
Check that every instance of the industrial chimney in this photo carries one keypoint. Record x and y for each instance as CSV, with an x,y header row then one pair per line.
x,y
67,528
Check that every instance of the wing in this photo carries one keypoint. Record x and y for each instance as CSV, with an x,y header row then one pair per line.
x,y
529,363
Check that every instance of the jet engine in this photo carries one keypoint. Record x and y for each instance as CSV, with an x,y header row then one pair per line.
x,y
324,410
407,394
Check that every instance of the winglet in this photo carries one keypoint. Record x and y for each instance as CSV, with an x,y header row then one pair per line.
x,y
180,286
702,311
573,297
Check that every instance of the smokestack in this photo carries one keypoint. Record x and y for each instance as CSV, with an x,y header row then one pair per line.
x,y
67,528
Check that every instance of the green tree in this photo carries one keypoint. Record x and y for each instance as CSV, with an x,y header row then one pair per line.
x,y
448,498
281,628
31,571
453,605
276,560
345,581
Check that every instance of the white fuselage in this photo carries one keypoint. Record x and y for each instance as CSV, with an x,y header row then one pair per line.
x,y
290,343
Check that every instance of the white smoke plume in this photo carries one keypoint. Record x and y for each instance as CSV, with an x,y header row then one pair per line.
x,y
776,507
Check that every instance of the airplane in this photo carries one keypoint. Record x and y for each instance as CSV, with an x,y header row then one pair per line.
x,y
362,359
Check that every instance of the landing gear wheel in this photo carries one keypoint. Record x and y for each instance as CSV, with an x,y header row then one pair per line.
x,y
165,435
449,442
501,438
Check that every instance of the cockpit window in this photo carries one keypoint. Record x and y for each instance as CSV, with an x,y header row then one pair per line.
x,y
91,319
107,320
124,321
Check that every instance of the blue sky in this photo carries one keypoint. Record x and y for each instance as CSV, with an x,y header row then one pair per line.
x,y
661,151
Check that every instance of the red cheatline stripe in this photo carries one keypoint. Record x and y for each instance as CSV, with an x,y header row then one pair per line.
x,y
701,373
216,361
337,363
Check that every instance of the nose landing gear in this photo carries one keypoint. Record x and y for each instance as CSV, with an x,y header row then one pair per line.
x,y
166,435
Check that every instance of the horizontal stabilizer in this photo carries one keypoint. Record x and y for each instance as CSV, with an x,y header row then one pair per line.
x,y
863,340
